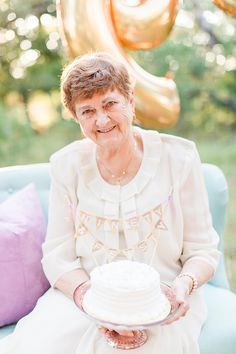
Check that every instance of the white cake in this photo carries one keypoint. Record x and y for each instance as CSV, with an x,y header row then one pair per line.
x,y
126,292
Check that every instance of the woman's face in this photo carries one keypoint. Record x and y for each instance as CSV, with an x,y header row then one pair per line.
x,y
106,118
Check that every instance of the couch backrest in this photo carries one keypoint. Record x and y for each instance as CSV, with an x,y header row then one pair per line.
x,y
14,178
217,190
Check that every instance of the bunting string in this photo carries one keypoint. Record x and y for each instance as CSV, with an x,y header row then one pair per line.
x,y
129,253
133,223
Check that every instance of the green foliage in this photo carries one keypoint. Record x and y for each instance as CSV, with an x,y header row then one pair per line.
x,y
26,62
20,145
207,93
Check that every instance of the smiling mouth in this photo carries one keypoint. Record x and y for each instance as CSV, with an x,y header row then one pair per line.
x,y
106,130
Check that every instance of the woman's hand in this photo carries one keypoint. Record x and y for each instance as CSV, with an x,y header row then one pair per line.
x,y
122,333
178,295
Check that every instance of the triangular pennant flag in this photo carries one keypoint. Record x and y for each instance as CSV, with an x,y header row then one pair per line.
x,y
160,225
97,246
128,253
84,216
112,253
142,246
99,222
133,222
113,225
81,230
148,217
158,210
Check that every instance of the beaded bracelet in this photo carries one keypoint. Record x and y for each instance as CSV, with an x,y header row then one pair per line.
x,y
193,278
80,291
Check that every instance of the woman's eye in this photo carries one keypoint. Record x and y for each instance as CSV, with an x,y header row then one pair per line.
x,y
110,104
87,112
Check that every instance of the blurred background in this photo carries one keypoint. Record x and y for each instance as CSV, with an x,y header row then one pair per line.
x,y
200,54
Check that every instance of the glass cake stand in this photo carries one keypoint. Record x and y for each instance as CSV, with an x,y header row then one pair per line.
x,y
140,336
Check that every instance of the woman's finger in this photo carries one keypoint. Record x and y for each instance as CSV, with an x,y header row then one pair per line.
x,y
122,333
182,310
102,329
125,333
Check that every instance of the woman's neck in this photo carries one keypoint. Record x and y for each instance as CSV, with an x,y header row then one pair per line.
x,y
114,154
119,165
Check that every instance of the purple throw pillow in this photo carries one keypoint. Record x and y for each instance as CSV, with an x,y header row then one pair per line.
x,y
22,231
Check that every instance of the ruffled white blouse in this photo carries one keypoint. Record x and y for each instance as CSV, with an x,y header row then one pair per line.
x,y
161,217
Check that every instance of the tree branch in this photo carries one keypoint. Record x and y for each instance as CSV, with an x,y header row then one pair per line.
x,y
204,25
229,103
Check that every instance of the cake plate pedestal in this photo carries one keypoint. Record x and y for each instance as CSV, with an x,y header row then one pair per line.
x,y
119,341
140,335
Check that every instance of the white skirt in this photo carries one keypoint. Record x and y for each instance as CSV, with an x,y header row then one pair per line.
x,y
56,326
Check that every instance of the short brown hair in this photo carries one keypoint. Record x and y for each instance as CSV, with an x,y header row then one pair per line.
x,y
90,74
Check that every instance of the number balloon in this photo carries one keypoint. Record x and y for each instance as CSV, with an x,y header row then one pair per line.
x,y
100,25
143,24
228,6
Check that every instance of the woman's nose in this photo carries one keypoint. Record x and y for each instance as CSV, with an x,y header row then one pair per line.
x,y
101,119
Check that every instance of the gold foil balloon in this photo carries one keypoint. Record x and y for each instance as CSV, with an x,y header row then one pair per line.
x,y
86,26
143,24
228,6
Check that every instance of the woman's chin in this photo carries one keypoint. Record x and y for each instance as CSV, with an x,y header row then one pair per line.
x,y
103,139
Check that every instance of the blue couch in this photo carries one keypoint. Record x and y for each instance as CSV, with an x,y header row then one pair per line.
x,y
218,335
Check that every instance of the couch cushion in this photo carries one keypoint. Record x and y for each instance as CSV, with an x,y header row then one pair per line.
x,y
218,335
6,330
22,231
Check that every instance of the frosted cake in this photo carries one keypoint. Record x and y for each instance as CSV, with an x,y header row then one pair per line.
x,y
126,292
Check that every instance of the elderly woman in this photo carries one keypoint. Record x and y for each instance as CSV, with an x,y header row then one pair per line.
x,y
107,193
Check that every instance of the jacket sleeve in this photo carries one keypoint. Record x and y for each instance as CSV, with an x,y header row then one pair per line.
x,y
59,248
200,238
